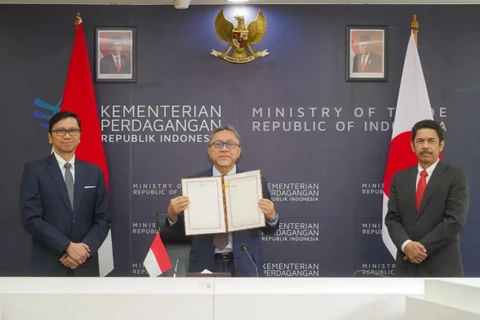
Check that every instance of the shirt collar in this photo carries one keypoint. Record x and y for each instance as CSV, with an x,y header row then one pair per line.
x,y
429,169
217,173
62,161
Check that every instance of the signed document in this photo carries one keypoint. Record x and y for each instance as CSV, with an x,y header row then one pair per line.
x,y
218,206
243,191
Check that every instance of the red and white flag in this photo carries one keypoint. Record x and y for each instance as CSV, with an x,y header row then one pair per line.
x,y
79,97
157,261
413,105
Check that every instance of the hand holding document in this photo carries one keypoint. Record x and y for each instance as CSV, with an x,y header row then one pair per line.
x,y
218,206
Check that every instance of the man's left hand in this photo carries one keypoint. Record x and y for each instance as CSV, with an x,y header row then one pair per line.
x,y
267,208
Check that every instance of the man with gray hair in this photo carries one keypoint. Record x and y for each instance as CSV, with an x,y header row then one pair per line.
x,y
224,252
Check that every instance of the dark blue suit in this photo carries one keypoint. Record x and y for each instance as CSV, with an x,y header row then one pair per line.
x,y
48,216
202,251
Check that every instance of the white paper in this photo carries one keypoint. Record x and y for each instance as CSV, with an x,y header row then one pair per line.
x,y
205,213
105,256
206,271
243,192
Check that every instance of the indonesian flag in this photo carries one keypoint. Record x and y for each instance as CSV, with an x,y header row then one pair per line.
x,y
354,47
79,97
157,261
413,105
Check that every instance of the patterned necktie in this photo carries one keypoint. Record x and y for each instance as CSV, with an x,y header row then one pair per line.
x,y
220,240
69,182
422,184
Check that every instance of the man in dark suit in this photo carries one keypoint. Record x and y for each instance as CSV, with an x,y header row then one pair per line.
x,y
64,206
428,207
115,62
366,60
224,252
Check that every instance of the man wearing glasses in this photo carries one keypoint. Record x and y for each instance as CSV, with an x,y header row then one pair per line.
x,y
64,205
225,252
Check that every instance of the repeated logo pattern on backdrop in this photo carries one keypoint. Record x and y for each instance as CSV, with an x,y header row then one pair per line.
x,y
320,142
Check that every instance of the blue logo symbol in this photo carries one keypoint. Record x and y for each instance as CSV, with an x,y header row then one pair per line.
x,y
51,110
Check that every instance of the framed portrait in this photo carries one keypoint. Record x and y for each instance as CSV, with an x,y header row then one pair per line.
x,y
367,53
115,54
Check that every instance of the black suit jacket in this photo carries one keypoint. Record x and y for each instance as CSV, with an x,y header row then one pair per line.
x,y
373,64
48,216
202,250
107,65
436,226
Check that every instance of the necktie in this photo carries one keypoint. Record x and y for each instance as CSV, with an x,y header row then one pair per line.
x,y
363,64
220,240
422,184
117,64
69,182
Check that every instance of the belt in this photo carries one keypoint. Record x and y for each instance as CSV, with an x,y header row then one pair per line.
x,y
226,256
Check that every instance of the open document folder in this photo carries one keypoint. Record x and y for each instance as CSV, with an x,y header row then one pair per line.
x,y
223,204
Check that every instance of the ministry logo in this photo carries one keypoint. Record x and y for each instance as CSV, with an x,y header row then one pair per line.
x,y
294,191
138,269
377,269
369,188
295,232
48,111
156,189
144,228
371,228
291,269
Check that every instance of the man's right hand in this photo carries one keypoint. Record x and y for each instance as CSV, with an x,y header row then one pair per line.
x,y
79,252
415,252
68,262
176,206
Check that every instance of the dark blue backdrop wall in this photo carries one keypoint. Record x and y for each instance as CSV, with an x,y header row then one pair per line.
x,y
327,184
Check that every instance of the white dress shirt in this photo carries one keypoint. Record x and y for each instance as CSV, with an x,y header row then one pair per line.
x,y
61,164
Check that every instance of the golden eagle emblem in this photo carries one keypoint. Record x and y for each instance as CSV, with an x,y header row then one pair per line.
x,y
241,37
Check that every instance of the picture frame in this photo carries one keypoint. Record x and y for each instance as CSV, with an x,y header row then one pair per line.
x,y
115,54
366,53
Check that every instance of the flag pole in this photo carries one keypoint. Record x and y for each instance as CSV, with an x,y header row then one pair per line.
x,y
414,26
77,20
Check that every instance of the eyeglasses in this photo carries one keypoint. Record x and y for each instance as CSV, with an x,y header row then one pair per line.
x,y
62,132
219,144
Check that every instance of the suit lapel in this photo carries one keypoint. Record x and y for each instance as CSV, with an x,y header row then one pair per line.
x,y
54,170
432,184
79,184
412,183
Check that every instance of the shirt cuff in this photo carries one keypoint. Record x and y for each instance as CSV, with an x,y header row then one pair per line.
x,y
405,244
170,222
273,222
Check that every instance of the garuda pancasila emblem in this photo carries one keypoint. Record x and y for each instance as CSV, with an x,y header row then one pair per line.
x,y
240,38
